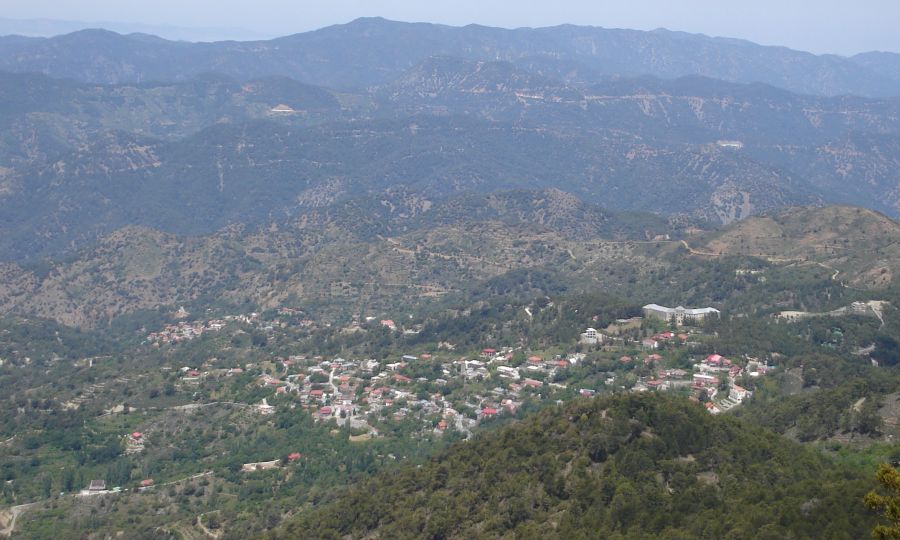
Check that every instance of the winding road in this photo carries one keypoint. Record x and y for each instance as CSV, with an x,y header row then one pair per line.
x,y
14,514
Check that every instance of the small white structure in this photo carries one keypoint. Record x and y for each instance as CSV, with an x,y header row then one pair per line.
x,y
730,144
265,408
261,466
738,393
281,108
591,337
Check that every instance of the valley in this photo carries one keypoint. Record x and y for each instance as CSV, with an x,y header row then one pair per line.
x,y
196,410
405,280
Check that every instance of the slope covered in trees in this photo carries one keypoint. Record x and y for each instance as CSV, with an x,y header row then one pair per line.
x,y
641,466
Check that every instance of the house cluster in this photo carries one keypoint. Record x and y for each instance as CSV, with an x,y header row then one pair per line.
x,y
663,338
183,331
360,324
186,331
364,393
704,381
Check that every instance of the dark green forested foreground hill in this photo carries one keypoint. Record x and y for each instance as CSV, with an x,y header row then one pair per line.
x,y
641,466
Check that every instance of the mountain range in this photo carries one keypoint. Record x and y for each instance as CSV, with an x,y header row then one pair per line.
x,y
80,160
228,135
375,51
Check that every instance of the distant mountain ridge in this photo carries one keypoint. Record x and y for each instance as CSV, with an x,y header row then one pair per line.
x,y
261,171
54,27
374,51
221,139
79,160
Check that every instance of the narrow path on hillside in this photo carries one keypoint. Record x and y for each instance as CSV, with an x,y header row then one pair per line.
x,y
693,251
185,479
767,257
835,270
12,515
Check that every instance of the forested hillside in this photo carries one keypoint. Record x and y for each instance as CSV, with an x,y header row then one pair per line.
x,y
629,467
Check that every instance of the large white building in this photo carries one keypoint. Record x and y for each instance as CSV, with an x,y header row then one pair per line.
x,y
679,315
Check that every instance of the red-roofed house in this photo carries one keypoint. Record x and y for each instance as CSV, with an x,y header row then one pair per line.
x,y
388,323
704,381
714,359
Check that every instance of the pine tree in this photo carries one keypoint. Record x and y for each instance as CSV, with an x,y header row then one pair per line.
x,y
889,504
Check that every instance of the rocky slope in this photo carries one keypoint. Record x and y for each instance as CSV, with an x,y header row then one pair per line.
x,y
862,247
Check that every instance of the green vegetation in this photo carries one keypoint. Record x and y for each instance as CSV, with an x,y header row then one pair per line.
x,y
888,504
627,467
192,381
255,307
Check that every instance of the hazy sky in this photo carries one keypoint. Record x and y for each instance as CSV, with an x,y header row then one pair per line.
x,y
844,27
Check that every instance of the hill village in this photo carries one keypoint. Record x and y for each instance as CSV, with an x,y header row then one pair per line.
x,y
448,390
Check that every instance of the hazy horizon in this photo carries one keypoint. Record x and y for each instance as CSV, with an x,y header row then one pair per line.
x,y
831,27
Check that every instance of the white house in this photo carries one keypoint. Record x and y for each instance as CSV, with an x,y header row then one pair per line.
x,y
739,393
591,337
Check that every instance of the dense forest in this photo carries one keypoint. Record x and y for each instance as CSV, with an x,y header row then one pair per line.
x,y
622,467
